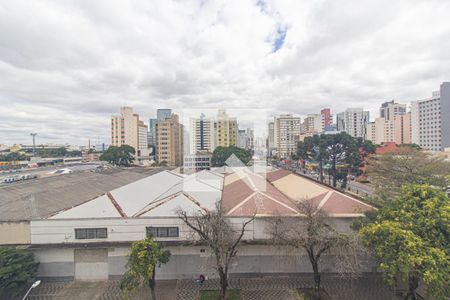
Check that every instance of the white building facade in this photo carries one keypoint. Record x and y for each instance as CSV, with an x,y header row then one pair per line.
x,y
353,121
286,135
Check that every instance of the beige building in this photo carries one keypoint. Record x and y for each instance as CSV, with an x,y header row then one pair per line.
x,y
313,123
127,129
287,135
169,141
375,131
397,130
227,129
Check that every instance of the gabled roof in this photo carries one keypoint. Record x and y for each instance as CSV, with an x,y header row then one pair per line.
x,y
43,197
332,202
157,195
246,193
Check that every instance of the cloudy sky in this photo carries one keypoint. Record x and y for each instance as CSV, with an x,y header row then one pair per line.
x,y
66,66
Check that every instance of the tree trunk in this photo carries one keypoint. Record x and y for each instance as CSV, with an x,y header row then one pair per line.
x,y
333,169
151,284
413,284
223,285
316,276
321,170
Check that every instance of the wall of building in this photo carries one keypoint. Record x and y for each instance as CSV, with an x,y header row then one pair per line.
x,y
445,115
13,233
185,262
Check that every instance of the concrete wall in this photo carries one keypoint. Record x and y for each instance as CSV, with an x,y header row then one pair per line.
x,y
15,233
91,264
55,262
185,262
60,231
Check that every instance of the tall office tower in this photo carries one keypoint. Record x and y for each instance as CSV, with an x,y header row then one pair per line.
x,y
152,131
245,138
202,135
287,135
169,141
327,118
226,130
353,121
164,113
271,137
313,123
127,129
390,109
430,120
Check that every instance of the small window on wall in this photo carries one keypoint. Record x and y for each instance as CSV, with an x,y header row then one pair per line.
x,y
91,233
162,232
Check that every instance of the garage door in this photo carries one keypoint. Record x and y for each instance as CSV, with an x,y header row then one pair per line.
x,y
91,264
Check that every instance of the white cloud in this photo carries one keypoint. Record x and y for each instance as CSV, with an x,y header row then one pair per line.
x,y
66,66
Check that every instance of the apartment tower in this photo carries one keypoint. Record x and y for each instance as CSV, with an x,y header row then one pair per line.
x,y
169,141
127,129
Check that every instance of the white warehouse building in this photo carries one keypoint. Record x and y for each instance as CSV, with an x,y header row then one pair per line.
x,y
91,241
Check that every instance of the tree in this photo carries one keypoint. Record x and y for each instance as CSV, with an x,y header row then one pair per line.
x,y
312,232
221,154
313,148
145,256
213,229
342,149
16,268
390,171
57,152
335,149
409,236
119,156
12,156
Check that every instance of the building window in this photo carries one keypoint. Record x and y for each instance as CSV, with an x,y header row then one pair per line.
x,y
162,232
91,233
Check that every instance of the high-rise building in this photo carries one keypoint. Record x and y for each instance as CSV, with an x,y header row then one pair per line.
x,y
152,131
127,129
202,135
226,129
169,141
353,121
393,125
430,124
271,137
375,131
390,109
445,116
245,138
163,113
327,118
313,123
287,135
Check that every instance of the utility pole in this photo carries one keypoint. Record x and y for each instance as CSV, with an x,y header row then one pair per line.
x,y
34,142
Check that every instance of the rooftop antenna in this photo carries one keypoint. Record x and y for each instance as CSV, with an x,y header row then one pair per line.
x,y
34,142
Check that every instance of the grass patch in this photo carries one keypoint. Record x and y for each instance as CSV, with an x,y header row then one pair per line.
x,y
213,295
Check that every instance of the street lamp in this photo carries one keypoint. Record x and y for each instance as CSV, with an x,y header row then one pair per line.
x,y
35,284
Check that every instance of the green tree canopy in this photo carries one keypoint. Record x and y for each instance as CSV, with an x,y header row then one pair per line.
x,y
336,150
409,236
119,156
16,268
221,154
12,156
145,256
390,171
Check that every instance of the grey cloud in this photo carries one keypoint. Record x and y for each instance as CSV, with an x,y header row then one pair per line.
x,y
65,67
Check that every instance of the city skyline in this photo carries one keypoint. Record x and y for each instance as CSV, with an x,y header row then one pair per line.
x,y
67,71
